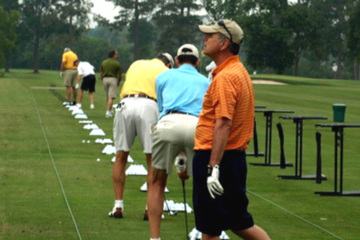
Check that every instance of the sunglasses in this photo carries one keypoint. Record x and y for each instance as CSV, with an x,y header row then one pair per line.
x,y
222,24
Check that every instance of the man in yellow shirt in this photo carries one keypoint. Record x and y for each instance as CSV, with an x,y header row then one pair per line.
x,y
69,73
135,114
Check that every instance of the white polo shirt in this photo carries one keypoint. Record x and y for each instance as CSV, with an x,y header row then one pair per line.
x,y
85,69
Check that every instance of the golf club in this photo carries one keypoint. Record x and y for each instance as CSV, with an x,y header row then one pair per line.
x,y
186,221
170,212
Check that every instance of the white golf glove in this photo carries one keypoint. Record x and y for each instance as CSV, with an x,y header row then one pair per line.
x,y
180,165
77,86
61,74
180,162
213,183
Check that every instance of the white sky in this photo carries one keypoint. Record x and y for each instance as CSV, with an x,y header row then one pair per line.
x,y
105,9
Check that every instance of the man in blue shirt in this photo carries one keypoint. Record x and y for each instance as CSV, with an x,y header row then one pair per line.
x,y
180,94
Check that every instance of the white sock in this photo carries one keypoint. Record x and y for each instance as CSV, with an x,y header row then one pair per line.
x,y
119,204
155,238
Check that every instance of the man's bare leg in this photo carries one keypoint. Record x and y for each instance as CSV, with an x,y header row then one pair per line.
x,y
91,96
74,93
155,199
68,93
109,104
253,233
81,95
209,237
118,174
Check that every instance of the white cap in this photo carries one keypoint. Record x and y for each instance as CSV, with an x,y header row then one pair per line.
x,y
170,58
189,50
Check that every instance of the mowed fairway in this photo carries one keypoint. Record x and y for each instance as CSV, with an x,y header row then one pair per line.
x,y
53,187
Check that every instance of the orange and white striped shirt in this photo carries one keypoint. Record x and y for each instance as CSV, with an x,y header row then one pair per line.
x,y
230,95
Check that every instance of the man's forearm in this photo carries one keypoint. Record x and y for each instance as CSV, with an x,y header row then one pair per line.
x,y
62,67
220,139
79,77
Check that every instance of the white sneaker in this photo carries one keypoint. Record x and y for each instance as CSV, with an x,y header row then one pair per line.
x,y
92,106
109,114
78,105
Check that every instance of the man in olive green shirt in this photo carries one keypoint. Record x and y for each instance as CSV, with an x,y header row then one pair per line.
x,y
110,73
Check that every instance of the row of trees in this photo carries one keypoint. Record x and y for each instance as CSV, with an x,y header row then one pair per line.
x,y
303,38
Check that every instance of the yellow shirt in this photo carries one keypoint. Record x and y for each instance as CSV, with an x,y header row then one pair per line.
x,y
68,58
140,77
230,95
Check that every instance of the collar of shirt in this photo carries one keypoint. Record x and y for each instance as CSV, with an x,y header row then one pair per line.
x,y
228,61
188,67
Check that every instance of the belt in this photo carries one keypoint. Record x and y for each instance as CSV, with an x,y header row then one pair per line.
x,y
138,96
108,76
179,112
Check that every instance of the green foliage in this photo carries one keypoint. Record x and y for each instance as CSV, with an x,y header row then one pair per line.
x,y
147,38
131,12
219,9
353,40
306,26
41,20
73,17
267,42
301,37
8,36
177,24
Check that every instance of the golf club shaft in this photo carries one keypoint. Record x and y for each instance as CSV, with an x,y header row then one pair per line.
x,y
186,221
167,205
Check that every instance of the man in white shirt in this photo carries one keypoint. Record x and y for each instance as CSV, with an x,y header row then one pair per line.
x,y
85,72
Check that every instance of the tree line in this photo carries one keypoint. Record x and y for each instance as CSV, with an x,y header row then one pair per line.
x,y
301,38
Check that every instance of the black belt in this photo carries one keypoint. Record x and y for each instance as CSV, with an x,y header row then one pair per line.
x,y
108,76
179,112
139,96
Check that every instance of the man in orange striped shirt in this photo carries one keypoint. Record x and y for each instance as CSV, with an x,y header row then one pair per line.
x,y
223,133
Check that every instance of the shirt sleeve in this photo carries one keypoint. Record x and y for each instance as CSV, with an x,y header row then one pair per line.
x,y
224,98
158,88
63,58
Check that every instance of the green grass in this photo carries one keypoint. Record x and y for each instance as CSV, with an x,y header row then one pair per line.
x,y
52,187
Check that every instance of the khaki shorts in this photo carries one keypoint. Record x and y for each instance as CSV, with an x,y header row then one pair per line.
x,y
70,76
134,117
173,134
110,87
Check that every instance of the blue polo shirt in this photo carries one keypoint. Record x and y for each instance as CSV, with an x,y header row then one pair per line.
x,y
181,89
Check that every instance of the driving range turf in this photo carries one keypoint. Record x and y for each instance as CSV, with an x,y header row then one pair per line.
x,y
53,187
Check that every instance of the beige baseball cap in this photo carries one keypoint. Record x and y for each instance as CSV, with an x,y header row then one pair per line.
x,y
228,28
189,50
169,58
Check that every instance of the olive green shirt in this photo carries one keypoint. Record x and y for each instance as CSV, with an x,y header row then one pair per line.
x,y
111,68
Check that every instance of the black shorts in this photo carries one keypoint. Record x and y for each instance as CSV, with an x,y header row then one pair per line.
x,y
228,211
88,83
